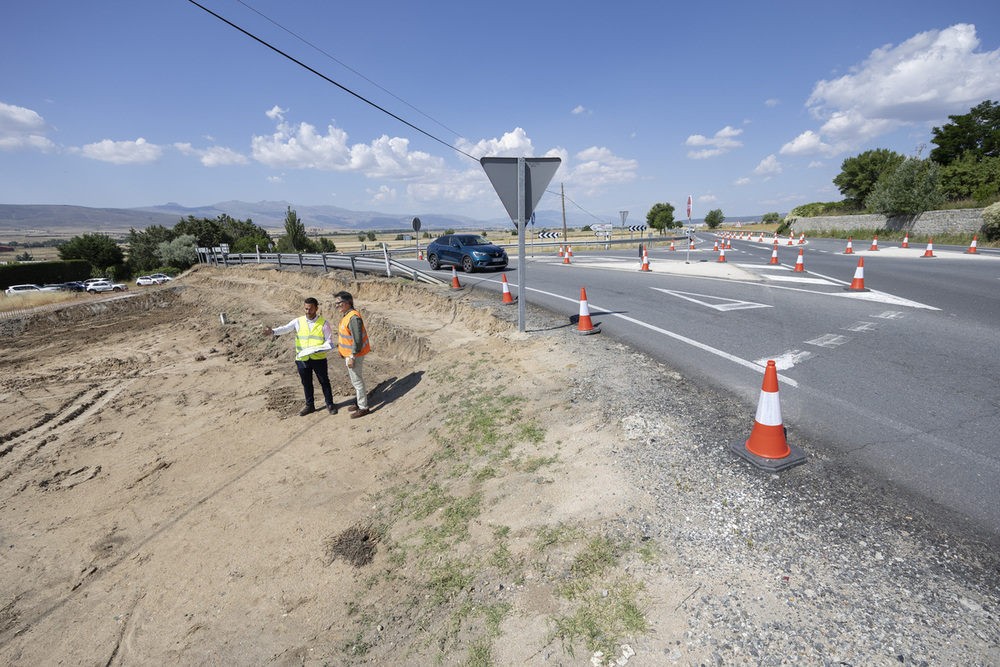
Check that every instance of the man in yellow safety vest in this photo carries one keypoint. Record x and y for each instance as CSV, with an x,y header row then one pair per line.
x,y
313,337
353,345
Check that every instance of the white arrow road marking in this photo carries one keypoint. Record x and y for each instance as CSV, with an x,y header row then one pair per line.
x,y
785,360
828,340
860,326
721,303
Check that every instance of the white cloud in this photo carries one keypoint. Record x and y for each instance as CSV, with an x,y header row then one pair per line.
x,y
384,195
723,142
276,113
23,129
598,168
707,199
214,156
769,166
139,151
512,144
772,102
581,110
815,164
741,181
275,179
302,147
921,81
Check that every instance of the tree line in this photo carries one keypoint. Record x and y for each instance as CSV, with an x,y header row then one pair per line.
x,y
172,249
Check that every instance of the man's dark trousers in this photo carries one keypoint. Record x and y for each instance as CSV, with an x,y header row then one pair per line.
x,y
306,369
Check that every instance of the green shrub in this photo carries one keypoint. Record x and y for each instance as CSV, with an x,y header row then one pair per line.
x,y
991,222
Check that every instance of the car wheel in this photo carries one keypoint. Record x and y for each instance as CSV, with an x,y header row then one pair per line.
x,y
90,291
432,259
467,264
118,289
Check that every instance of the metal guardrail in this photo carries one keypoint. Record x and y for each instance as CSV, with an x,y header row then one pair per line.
x,y
381,261
367,262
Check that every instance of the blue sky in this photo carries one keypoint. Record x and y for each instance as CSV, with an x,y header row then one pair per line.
x,y
748,107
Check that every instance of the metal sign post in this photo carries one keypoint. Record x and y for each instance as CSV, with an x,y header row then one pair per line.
x,y
690,232
520,183
623,214
416,228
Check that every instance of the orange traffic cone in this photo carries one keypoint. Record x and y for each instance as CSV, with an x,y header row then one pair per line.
x,y
906,241
566,258
715,248
672,247
729,245
569,250
790,241
767,447
930,248
692,243
874,244
645,260
585,326
799,263
560,250
454,279
420,253
507,298
850,250
774,255
722,254
767,439
802,239
972,248
858,284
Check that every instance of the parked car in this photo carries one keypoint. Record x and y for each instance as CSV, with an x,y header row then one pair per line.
x,y
72,286
162,277
21,289
146,281
105,286
469,251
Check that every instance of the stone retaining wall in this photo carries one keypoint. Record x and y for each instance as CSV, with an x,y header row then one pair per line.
x,y
957,221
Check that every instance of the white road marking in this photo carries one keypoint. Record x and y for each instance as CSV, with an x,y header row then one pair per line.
x,y
676,336
890,315
723,304
860,326
828,340
785,360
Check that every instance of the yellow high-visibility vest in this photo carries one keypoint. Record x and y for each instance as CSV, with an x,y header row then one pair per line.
x,y
310,335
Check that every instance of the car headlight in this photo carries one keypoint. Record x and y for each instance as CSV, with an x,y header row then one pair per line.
x,y
478,255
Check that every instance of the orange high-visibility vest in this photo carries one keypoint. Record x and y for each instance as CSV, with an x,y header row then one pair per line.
x,y
346,342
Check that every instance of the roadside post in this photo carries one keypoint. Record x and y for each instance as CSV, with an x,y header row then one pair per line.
x,y
520,183
690,232
416,228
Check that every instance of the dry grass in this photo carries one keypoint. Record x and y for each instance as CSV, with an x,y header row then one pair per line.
x,y
14,302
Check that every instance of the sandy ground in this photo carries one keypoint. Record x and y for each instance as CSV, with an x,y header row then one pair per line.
x,y
163,503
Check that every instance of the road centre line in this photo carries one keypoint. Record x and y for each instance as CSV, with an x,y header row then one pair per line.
x,y
676,336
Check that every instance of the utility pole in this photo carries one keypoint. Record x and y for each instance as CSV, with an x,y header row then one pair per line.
x,y
562,193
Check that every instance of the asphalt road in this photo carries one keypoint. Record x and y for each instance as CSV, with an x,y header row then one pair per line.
x,y
901,381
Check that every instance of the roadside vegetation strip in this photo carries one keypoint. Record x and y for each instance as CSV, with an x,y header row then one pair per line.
x,y
438,567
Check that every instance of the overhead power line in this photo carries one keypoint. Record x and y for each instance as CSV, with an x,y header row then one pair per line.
x,y
346,66
329,80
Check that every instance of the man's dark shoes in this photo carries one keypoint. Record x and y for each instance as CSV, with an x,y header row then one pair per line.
x,y
308,410
353,407
332,409
359,413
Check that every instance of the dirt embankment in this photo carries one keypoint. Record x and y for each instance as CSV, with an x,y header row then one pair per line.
x,y
511,499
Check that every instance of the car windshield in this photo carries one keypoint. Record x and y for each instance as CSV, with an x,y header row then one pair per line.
x,y
472,239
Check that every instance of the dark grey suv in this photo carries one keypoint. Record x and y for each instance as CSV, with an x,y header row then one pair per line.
x,y
469,251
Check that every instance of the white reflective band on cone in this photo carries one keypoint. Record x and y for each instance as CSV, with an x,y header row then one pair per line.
x,y
768,409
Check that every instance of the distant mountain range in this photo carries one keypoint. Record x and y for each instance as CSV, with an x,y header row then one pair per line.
x,y
56,219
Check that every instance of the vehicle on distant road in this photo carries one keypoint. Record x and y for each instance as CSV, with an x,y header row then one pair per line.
x,y
146,281
469,251
105,286
72,286
162,277
21,289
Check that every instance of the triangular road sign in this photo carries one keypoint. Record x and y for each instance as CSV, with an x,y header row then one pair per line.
x,y
502,172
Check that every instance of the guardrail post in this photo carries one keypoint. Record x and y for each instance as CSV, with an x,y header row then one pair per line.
x,y
278,255
325,270
225,261
300,260
354,268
